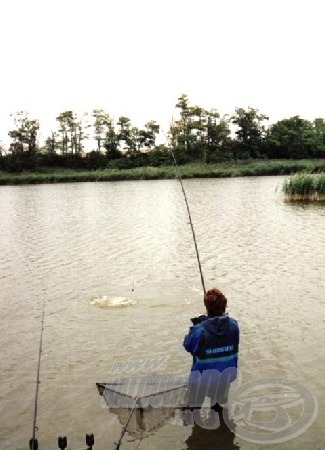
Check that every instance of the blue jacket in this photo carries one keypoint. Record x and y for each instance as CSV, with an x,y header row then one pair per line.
x,y
214,344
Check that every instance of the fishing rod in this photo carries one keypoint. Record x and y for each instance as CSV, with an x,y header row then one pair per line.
x,y
33,443
189,213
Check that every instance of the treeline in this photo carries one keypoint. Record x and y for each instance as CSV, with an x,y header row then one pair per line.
x,y
198,135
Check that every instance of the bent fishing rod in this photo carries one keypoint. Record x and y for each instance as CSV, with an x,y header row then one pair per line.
x,y
124,429
189,213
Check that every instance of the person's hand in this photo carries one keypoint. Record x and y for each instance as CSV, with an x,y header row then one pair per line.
x,y
198,319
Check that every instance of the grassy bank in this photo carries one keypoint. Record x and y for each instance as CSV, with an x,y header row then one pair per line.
x,y
229,169
305,187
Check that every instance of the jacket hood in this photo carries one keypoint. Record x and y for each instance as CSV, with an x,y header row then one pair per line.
x,y
217,325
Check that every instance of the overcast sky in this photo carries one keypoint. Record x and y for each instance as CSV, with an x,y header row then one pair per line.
x,y
136,57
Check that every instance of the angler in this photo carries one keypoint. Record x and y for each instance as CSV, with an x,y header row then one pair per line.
x,y
213,342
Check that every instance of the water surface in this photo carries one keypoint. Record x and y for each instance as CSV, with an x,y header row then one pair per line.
x,y
65,244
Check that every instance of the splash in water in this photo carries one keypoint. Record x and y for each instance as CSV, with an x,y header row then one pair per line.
x,y
112,302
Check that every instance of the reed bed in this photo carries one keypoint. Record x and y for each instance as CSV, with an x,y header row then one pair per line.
x,y
195,170
305,187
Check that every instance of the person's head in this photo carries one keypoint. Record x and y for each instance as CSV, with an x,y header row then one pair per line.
x,y
215,302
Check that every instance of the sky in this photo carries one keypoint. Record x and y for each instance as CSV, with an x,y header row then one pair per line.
x,y
136,57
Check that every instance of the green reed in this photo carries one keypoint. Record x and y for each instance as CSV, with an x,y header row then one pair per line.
x,y
305,187
194,170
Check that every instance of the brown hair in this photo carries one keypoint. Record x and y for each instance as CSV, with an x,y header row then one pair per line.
x,y
215,302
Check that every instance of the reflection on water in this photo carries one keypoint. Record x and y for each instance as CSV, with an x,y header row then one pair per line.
x,y
220,438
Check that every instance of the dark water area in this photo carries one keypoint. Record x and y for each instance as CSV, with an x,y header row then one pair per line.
x,y
68,244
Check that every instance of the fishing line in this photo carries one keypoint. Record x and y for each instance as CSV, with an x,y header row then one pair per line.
x,y
189,213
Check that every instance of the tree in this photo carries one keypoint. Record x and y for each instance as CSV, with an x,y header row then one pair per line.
x,y
149,134
65,120
291,138
2,149
160,156
124,133
111,143
180,129
2,153
218,136
52,144
142,138
319,135
24,141
199,133
102,125
25,135
72,132
82,124
250,131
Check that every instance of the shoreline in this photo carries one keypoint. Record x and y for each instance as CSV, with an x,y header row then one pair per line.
x,y
193,170
305,198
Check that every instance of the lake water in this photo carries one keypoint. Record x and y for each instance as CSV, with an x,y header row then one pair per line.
x,y
66,244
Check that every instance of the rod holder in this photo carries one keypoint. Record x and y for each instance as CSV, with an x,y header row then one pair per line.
x,y
62,442
90,441
33,444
